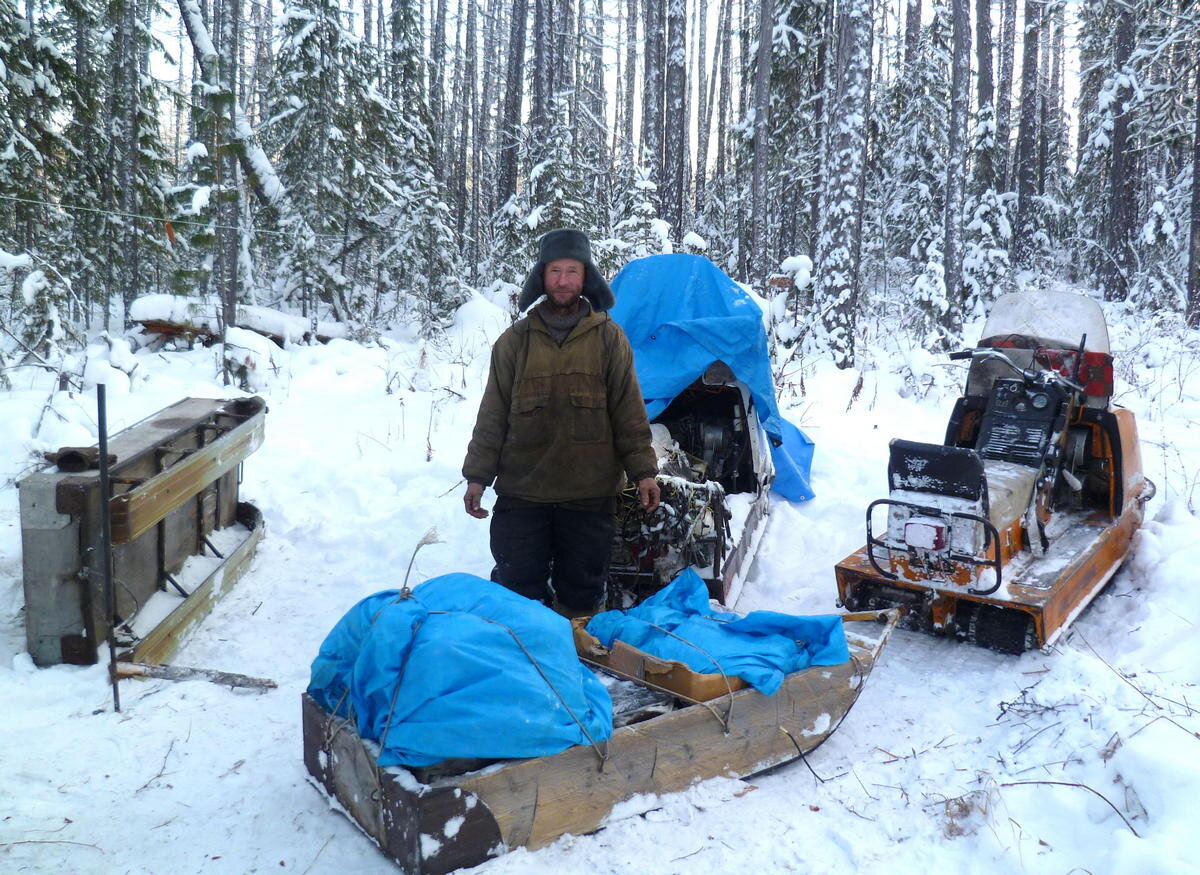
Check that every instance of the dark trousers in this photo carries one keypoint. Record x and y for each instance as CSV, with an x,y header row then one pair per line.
x,y
538,546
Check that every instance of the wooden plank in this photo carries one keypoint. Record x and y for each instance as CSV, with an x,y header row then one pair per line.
x,y
536,801
162,642
137,510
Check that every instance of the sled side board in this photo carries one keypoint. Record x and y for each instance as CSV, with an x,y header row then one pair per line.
x,y
466,819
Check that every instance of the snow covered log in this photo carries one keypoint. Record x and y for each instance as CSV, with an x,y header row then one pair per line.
x,y
179,316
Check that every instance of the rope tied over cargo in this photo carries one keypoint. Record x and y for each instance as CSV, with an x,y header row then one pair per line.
x,y
600,749
723,720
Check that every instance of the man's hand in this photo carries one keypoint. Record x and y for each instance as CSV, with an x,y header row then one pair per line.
x,y
649,493
472,498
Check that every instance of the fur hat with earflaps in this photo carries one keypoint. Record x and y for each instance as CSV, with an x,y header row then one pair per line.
x,y
566,243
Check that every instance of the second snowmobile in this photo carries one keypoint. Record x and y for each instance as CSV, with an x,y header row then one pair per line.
x,y
1004,532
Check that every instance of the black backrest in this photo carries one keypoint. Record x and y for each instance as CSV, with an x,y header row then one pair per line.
x,y
936,469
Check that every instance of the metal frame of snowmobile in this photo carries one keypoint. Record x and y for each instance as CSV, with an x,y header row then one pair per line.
x,y
1026,575
463,820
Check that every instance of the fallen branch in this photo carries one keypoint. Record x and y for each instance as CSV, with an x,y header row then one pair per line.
x,y
1083,786
162,770
50,842
183,673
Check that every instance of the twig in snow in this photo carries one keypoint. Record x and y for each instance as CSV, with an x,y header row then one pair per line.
x,y
451,489
1169,720
429,436
161,771
861,784
685,856
50,842
314,859
1096,654
856,814
1026,742
1085,787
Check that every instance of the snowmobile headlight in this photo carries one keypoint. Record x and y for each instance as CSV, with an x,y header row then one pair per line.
x,y
718,374
925,534
1040,401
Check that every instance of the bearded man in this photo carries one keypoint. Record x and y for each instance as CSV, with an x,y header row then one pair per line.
x,y
561,426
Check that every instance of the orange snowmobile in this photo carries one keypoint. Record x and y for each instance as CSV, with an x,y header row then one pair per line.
x,y
1004,533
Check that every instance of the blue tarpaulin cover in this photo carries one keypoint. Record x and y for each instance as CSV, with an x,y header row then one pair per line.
x,y
761,648
681,314
455,682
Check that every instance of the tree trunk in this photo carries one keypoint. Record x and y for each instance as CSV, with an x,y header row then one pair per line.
x,y
510,126
437,75
820,89
652,87
704,97
726,87
1026,161
464,114
1008,46
1045,62
985,155
912,31
960,83
543,36
483,188
630,74
759,257
1193,281
1122,188
677,153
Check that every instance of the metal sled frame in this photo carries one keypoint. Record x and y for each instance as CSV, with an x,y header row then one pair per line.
x,y
991,543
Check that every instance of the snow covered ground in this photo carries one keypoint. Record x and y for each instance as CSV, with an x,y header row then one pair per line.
x,y
954,759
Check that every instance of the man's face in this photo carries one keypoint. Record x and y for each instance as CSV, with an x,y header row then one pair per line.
x,y
563,279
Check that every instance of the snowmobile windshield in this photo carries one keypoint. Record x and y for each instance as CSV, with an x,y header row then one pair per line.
x,y
1051,320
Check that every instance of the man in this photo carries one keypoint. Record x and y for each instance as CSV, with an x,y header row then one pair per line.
x,y
561,424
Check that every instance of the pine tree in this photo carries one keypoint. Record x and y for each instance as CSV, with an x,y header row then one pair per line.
x,y
795,150
637,229
839,241
359,168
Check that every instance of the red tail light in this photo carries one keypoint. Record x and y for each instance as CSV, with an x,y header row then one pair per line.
x,y
1095,374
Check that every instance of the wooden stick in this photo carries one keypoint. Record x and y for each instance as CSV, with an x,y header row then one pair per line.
x,y
184,673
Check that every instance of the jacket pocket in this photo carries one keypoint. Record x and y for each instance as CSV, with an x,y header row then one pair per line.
x,y
589,417
529,421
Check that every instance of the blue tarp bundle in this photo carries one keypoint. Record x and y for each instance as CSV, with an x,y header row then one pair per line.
x,y
681,314
454,680
760,648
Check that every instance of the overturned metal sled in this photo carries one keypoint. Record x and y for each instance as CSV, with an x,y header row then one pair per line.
x,y
464,819
175,479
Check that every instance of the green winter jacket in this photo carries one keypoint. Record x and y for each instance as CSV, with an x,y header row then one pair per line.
x,y
561,424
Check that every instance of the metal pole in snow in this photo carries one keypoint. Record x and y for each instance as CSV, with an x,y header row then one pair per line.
x,y
110,597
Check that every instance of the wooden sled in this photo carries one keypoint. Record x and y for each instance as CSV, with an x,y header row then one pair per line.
x,y
463,820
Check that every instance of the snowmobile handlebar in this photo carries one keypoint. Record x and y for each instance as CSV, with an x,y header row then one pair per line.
x,y
1029,376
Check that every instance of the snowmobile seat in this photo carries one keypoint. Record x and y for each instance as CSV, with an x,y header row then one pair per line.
x,y
1009,489
964,482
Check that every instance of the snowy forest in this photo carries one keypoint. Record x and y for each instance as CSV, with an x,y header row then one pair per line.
x,y
377,163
